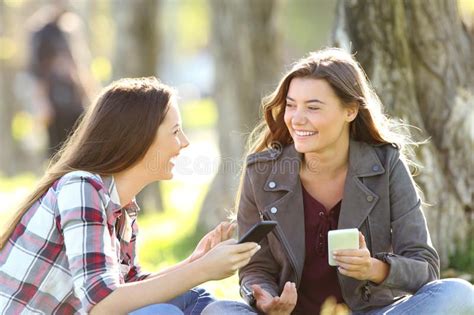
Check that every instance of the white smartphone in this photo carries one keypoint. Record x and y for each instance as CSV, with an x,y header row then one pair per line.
x,y
342,239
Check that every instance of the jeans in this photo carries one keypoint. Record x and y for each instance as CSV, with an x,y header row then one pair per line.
x,y
447,296
189,303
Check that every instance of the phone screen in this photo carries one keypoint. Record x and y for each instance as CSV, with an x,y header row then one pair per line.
x,y
258,231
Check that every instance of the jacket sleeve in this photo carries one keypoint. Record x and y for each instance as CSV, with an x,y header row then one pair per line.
x,y
414,262
262,268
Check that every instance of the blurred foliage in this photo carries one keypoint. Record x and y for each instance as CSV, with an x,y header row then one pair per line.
x,y
9,48
306,25
22,125
200,113
193,23
101,69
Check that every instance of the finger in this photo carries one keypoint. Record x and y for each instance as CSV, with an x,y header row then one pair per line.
x,y
348,273
246,255
244,247
352,268
362,243
259,293
230,242
207,245
288,296
230,230
350,252
350,260
212,238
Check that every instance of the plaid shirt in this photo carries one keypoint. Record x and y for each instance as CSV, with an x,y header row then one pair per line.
x,y
71,249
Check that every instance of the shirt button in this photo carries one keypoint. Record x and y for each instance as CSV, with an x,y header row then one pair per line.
x,y
370,198
321,214
273,210
375,168
272,185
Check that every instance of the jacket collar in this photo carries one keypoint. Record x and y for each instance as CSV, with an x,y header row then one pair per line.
x,y
363,162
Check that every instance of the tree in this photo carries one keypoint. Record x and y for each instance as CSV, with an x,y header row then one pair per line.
x,y
247,58
137,51
420,58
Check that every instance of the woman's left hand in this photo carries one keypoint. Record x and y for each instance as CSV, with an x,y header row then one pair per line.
x,y
355,263
222,232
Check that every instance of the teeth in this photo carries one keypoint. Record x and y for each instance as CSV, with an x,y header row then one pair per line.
x,y
304,133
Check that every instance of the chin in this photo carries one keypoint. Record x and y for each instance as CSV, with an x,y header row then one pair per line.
x,y
303,148
167,176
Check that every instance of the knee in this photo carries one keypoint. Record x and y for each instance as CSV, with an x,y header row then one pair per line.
x,y
459,286
227,307
458,292
158,309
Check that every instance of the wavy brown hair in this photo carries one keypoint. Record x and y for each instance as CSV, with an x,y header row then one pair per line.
x,y
346,77
113,135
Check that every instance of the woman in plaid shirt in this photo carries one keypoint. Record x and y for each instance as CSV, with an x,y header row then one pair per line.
x,y
71,247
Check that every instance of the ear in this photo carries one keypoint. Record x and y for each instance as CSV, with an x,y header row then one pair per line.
x,y
351,111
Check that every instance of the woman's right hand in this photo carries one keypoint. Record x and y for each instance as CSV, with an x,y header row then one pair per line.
x,y
226,258
276,305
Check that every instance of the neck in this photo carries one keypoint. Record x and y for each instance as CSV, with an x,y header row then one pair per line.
x,y
129,183
329,162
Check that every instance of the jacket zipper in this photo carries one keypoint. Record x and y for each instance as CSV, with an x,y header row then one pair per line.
x,y
265,216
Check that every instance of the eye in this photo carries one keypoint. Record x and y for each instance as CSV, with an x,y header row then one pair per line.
x,y
290,105
177,131
313,108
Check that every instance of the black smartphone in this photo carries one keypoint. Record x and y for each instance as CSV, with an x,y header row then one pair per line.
x,y
258,231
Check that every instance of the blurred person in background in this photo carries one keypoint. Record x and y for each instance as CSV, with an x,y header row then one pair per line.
x,y
71,246
60,94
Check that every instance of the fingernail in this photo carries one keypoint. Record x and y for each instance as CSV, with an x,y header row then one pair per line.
x,y
334,257
334,253
258,247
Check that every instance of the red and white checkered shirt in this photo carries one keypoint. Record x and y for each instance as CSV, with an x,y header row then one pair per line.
x,y
71,249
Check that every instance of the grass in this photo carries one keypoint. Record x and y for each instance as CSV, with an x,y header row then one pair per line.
x,y
168,237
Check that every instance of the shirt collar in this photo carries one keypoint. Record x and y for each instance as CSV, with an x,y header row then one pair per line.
x,y
132,207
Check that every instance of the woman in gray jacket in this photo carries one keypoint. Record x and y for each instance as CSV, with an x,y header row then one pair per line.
x,y
325,157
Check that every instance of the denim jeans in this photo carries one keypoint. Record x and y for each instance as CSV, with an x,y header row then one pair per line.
x,y
447,296
189,303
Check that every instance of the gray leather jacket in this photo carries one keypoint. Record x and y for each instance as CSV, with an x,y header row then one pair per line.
x,y
379,199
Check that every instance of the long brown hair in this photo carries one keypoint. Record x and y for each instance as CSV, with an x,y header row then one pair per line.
x,y
114,134
345,75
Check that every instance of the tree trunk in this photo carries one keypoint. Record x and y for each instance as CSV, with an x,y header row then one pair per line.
x,y
137,49
420,59
247,58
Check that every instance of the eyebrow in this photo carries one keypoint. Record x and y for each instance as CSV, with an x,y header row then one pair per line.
x,y
177,125
314,100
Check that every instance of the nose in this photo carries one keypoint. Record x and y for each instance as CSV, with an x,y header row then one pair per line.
x,y
298,117
184,141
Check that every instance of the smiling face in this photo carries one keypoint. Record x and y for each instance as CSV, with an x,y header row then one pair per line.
x,y
315,116
169,140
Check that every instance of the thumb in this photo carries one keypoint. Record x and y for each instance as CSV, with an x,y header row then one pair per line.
x,y
230,241
258,292
362,243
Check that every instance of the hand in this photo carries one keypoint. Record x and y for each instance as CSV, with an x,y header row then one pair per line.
x,y
221,233
226,258
330,307
278,305
357,263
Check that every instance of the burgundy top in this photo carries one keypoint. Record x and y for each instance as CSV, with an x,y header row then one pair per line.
x,y
319,280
